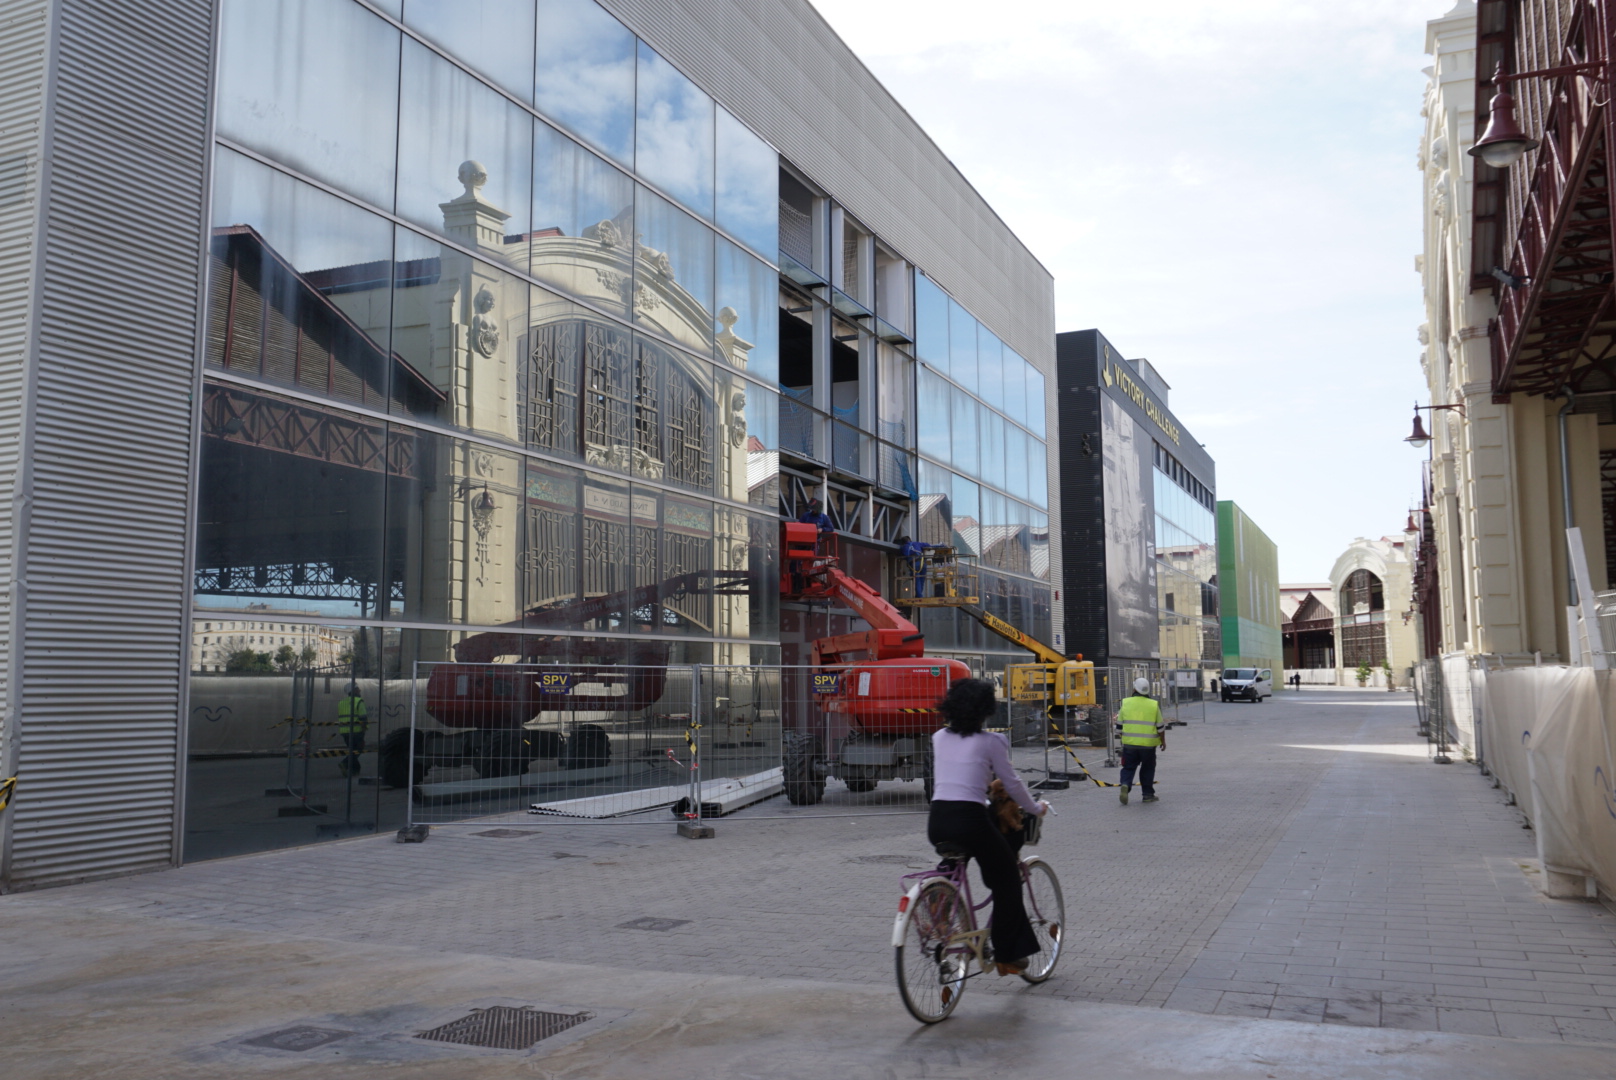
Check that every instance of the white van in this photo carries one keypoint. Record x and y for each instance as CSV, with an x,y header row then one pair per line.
x,y
1247,684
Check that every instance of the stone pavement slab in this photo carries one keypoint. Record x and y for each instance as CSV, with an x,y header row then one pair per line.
x,y
1306,864
89,994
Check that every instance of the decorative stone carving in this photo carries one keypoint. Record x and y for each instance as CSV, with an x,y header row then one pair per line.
x,y
1424,333
484,330
730,345
737,419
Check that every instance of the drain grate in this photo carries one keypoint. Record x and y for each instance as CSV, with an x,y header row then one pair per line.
x,y
505,834
649,923
297,1039
502,1027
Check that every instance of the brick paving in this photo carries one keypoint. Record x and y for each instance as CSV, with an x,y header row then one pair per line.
x,y
1306,862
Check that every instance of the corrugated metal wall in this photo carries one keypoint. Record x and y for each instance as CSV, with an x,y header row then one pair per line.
x,y
779,66
110,441
24,45
1081,497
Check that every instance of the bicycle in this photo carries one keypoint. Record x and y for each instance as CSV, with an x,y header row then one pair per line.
x,y
936,936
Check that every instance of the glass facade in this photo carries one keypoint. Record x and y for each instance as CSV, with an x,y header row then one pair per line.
x,y
1186,565
482,381
501,364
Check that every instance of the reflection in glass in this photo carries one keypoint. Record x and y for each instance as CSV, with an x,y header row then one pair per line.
x,y
550,505
967,516
931,420
1017,479
1014,386
894,389
990,368
962,346
748,201
553,360
583,222
299,283
732,408
289,506
935,511
965,435
673,272
462,325
584,74
1038,472
673,141
454,529
465,158
1035,401
931,323
1040,547
313,83
494,37
762,446
748,312
992,444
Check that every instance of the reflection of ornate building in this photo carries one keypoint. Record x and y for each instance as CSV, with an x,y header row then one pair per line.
x,y
215,640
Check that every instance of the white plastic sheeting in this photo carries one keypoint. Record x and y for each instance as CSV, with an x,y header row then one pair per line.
x,y
1550,737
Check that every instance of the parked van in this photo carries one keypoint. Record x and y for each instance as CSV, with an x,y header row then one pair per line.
x,y
1247,684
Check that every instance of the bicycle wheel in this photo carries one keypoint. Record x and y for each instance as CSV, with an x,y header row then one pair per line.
x,y
931,971
1047,910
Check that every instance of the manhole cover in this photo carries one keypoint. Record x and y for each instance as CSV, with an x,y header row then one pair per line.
x,y
894,860
302,1037
504,834
505,1028
649,923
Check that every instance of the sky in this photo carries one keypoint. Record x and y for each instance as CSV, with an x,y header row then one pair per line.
x,y
1226,189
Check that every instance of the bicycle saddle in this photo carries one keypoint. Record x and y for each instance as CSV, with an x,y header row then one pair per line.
x,y
949,850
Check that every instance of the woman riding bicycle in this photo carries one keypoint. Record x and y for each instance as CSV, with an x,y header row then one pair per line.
x,y
965,760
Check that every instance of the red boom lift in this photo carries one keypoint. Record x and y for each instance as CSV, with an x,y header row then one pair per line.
x,y
875,692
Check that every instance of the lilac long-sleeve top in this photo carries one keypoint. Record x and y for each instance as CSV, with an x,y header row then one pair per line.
x,y
964,765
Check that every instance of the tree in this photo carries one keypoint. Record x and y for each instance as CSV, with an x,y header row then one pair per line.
x,y
247,662
286,658
308,656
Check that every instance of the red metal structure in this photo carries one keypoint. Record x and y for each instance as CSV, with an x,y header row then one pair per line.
x,y
1548,221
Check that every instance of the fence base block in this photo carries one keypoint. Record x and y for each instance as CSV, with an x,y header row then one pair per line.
x,y
695,830
414,834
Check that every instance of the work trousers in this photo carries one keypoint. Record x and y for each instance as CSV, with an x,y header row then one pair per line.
x,y
1142,758
969,825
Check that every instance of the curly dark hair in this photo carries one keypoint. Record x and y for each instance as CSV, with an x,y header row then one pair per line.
x,y
967,706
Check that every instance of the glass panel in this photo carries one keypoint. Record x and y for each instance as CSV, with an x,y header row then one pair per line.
x,y
931,323
676,418
763,577
550,520
748,186
584,74
313,83
733,422
454,529
1014,386
967,516
748,295
762,446
299,284
684,575
583,222
249,675
1038,472
608,554
289,507
962,346
673,273
494,37
992,427
553,359
1035,401
935,510
932,418
465,158
673,141
1040,546
966,436
990,368
896,388
1017,479
460,328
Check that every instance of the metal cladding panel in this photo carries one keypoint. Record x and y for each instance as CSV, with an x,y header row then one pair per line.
x,y
110,442
780,67
24,44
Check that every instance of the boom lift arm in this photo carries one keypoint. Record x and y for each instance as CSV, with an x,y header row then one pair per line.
x,y
808,575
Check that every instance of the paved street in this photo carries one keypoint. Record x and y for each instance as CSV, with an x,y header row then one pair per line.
x,y
1308,872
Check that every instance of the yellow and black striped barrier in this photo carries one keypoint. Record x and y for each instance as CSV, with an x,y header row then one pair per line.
x,y
1066,746
8,787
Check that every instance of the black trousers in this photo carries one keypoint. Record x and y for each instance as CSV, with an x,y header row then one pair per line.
x,y
1142,758
968,825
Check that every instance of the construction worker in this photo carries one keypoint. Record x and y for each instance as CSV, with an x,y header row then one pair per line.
x,y
352,720
914,551
1143,733
815,515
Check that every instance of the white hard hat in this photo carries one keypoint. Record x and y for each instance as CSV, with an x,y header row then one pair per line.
x,y
1141,686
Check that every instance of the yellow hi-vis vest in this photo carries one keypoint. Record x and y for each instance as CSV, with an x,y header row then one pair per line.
x,y
1140,716
352,716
